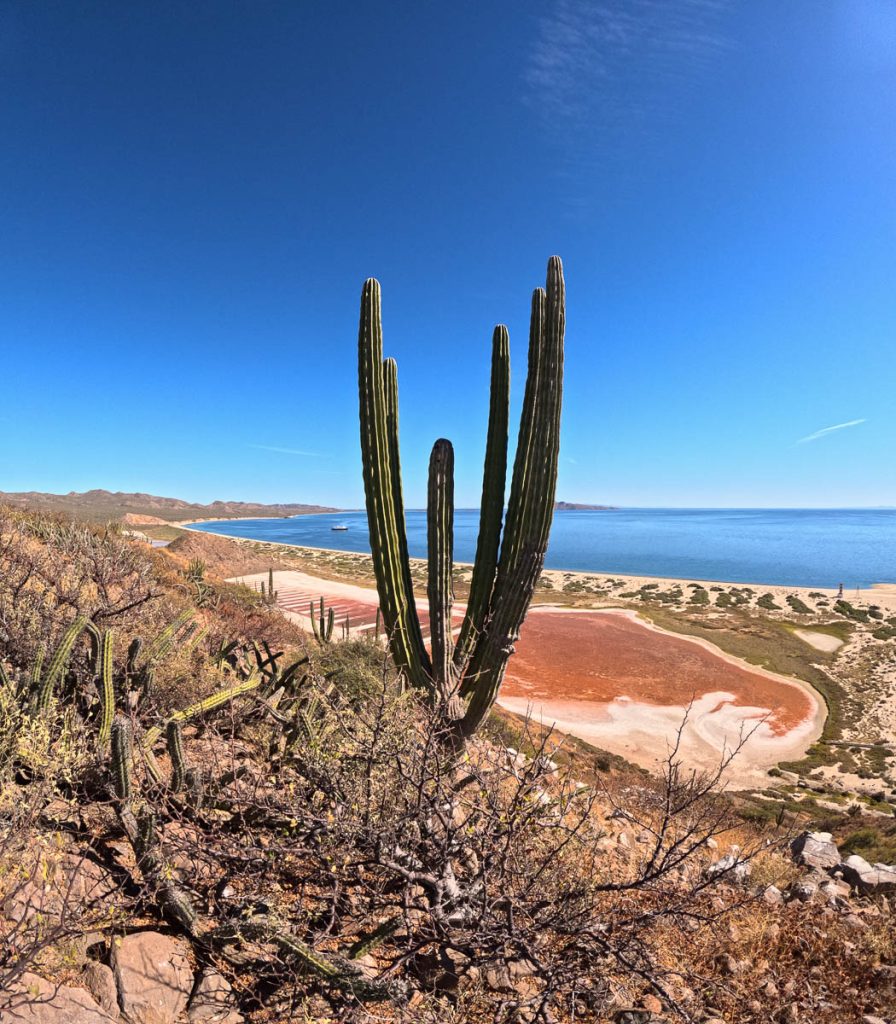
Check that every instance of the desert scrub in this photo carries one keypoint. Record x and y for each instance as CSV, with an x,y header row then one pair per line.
x,y
52,747
800,607
358,669
767,602
849,611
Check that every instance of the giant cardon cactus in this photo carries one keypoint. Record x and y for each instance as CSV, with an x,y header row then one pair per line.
x,y
463,679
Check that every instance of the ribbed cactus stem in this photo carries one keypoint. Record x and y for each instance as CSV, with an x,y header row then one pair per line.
x,y
165,640
531,506
37,668
491,510
331,619
122,757
106,686
378,420
440,530
201,707
56,668
509,561
175,737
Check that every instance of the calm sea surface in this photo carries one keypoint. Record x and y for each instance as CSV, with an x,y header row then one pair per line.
x,y
789,547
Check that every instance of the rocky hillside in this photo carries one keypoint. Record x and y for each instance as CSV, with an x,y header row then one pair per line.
x,y
207,815
98,506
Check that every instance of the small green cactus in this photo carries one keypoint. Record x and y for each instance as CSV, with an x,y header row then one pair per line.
x,y
322,622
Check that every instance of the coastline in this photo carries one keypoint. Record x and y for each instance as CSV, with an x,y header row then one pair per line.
x,y
883,593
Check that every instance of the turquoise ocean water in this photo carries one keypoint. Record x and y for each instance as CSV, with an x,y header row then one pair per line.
x,y
789,547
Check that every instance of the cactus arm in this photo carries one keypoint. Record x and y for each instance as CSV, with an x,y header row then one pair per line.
x,y
314,625
57,664
214,700
331,619
440,529
122,758
107,689
390,385
399,609
175,737
491,511
163,642
531,507
37,668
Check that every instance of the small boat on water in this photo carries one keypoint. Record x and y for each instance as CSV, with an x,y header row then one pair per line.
x,y
338,527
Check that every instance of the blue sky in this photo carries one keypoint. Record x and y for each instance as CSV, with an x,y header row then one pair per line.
x,y
192,195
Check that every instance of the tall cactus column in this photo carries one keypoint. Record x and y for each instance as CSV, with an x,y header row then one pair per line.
x,y
440,542
531,506
379,452
465,682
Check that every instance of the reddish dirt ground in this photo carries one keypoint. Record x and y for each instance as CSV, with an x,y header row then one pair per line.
x,y
598,657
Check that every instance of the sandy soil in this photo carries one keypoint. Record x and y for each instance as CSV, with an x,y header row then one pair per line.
x,y
621,683
820,641
883,594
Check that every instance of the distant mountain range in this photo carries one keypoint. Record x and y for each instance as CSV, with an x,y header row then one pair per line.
x,y
571,506
103,506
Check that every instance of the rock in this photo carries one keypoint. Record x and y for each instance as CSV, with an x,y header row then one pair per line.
x,y
650,1002
153,976
815,850
37,1001
804,890
55,887
213,1000
869,880
632,1015
869,1019
730,868
772,896
100,983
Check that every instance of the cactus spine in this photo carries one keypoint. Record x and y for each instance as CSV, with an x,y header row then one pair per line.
x,y
509,561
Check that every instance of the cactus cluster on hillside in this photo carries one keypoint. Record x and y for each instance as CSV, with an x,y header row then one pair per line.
x,y
463,679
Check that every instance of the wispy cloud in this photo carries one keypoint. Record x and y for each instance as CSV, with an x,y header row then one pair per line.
x,y
286,451
830,430
602,71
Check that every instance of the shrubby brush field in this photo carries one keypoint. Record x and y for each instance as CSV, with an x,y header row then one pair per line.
x,y
207,813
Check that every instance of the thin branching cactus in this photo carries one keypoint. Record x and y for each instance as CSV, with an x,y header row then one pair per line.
x,y
463,679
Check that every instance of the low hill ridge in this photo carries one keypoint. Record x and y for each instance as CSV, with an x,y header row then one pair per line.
x,y
100,505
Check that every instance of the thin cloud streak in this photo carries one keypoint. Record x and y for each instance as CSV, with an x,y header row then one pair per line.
x,y
579,78
286,451
830,430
